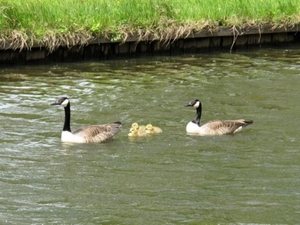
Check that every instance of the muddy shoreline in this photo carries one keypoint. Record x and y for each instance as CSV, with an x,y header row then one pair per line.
x,y
221,38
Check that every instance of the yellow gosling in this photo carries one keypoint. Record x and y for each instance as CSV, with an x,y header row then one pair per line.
x,y
152,129
133,132
137,126
137,132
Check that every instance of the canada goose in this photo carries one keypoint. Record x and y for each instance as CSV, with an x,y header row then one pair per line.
x,y
88,134
215,127
152,129
133,132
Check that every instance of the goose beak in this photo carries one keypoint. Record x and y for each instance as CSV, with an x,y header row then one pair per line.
x,y
195,103
55,103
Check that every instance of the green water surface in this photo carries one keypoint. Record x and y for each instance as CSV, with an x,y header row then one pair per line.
x,y
251,177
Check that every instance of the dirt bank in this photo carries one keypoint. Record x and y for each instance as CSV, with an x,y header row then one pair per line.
x,y
101,48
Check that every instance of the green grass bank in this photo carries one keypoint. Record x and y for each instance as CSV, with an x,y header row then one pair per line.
x,y
52,23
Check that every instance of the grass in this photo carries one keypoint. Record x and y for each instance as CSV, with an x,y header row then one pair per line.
x,y
52,23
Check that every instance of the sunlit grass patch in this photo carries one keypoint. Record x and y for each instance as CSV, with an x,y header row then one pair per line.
x,y
68,22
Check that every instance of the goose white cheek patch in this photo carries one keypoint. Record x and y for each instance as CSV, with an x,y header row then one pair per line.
x,y
196,105
65,103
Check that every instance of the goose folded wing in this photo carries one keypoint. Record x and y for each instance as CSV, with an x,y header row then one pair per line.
x,y
97,133
220,127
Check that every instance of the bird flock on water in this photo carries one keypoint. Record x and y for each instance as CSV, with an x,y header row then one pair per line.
x,y
105,132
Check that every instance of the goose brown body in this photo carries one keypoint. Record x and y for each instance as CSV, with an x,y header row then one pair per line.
x,y
88,134
215,127
98,133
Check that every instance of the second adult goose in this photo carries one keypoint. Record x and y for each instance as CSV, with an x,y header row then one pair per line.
x,y
88,134
215,127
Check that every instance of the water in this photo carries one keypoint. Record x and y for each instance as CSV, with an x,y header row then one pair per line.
x,y
250,177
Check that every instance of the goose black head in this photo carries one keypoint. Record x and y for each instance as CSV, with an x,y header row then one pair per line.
x,y
195,103
64,101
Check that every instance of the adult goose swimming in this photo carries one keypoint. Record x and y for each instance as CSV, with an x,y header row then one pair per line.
x,y
88,134
214,127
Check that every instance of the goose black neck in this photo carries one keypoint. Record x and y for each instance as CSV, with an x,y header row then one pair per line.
x,y
198,114
67,118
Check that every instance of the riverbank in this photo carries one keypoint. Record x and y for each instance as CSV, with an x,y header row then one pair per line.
x,y
222,38
39,29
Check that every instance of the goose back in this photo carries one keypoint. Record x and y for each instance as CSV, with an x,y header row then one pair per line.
x,y
220,127
98,133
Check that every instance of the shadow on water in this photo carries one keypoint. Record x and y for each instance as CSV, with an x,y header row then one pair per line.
x,y
249,177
